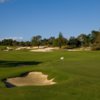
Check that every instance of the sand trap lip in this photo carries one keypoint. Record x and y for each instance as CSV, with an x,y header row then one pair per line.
x,y
31,79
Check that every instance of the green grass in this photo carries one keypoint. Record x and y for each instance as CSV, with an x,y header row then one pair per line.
x,y
77,76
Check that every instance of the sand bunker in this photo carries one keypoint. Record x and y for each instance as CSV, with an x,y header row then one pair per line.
x,y
49,49
31,79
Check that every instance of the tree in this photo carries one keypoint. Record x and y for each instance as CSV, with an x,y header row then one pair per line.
x,y
7,42
27,43
94,35
36,40
51,41
61,40
96,40
55,42
74,42
84,39
44,42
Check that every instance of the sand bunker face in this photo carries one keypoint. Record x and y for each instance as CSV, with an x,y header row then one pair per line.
x,y
31,79
49,49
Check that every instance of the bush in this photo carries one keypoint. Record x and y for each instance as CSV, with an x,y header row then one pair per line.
x,y
96,46
2,48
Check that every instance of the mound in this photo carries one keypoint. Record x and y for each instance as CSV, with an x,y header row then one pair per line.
x,y
31,79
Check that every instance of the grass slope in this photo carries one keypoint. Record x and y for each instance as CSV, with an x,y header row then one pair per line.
x,y
77,76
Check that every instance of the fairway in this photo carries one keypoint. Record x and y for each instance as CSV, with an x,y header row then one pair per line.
x,y
77,76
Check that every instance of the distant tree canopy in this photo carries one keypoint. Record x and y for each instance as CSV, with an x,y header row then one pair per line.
x,y
61,40
74,42
83,40
9,42
36,40
96,40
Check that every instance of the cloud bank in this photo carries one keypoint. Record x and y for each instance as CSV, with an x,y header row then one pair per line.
x,y
4,1
13,38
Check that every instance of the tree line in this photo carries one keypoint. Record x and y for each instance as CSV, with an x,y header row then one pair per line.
x,y
83,40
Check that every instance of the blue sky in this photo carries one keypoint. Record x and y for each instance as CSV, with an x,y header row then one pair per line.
x,y
26,18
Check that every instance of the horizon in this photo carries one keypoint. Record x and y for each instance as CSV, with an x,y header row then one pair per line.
x,y
22,19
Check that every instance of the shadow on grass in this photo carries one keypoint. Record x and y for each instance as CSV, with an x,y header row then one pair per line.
x,y
6,64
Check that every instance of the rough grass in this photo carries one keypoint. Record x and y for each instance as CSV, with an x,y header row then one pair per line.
x,y
77,76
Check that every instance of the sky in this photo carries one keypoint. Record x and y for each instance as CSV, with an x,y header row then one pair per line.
x,y
22,19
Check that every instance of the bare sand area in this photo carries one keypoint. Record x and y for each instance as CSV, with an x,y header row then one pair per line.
x,y
49,49
31,79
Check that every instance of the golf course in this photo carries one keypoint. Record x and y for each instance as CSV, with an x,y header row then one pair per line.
x,y
49,49
77,75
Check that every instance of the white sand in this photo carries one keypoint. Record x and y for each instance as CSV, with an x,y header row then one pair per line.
x,y
21,48
49,49
32,79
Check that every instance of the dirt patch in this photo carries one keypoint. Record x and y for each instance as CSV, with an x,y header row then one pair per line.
x,y
31,79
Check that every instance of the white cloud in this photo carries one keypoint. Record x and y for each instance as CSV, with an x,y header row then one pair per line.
x,y
3,1
13,38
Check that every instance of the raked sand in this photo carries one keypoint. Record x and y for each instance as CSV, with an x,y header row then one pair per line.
x,y
31,79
